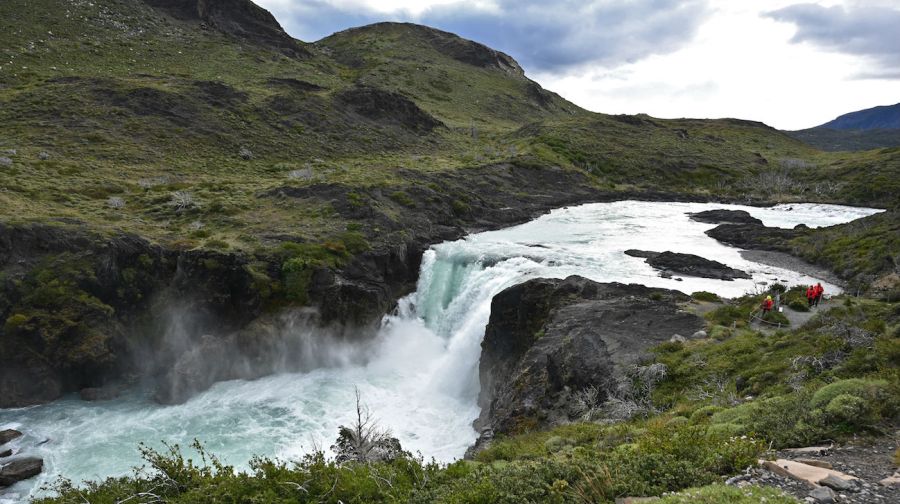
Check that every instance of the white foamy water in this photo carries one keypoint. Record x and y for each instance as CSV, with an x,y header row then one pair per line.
x,y
421,379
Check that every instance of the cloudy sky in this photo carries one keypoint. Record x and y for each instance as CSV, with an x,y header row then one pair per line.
x,y
790,63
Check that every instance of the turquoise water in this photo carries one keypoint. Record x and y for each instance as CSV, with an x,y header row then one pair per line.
x,y
419,377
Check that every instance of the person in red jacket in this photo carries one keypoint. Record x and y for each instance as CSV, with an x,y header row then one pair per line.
x,y
819,291
767,305
811,295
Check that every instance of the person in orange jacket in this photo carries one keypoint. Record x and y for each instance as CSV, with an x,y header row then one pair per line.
x,y
819,291
811,295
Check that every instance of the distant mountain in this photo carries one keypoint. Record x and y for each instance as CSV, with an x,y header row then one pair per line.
x,y
884,117
867,129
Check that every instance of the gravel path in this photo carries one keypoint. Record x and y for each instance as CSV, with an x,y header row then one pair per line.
x,y
869,460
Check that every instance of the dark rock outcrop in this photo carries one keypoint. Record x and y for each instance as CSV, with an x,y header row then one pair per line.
x,y
725,216
239,18
548,339
8,435
19,470
756,236
387,107
5,453
688,264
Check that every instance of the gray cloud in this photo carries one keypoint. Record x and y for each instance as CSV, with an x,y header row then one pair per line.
x,y
542,36
862,31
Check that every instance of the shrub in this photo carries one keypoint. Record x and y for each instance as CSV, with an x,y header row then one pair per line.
x,y
715,494
704,414
706,296
865,389
14,322
850,410
728,315
403,199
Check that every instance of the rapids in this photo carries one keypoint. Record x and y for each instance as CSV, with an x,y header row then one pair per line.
x,y
419,376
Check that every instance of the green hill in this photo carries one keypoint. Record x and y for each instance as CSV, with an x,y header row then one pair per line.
x,y
131,101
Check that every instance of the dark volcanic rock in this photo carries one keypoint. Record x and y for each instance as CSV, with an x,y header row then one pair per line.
x,y
387,107
688,264
547,339
8,435
20,469
239,18
756,236
725,216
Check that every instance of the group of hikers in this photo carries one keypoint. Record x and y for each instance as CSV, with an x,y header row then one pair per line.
x,y
813,296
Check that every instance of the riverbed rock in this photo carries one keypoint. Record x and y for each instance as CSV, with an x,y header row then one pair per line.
x,y
722,216
19,470
8,435
687,264
756,236
548,339
5,453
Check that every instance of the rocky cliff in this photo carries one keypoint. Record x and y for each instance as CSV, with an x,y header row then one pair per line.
x,y
550,340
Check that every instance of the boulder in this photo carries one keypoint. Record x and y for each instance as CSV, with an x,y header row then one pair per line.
x,y
20,469
6,453
699,335
823,495
815,462
891,481
721,216
837,483
5,161
8,435
687,264
805,473
548,340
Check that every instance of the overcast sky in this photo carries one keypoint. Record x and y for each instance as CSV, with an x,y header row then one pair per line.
x,y
789,63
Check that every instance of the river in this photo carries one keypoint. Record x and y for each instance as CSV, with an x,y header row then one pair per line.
x,y
420,375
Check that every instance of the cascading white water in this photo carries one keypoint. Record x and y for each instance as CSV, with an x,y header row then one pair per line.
x,y
421,377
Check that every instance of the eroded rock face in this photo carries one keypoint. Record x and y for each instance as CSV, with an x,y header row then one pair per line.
x,y
722,216
548,339
688,264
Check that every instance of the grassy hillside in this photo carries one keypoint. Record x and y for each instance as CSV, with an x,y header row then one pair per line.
x,y
848,140
112,108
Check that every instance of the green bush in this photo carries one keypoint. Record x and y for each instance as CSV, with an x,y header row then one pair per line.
x,y
728,315
849,409
798,305
706,296
704,414
875,390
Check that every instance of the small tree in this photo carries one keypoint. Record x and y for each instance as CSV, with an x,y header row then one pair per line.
x,y
365,441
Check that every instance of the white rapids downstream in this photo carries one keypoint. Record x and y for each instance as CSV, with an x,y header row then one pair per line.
x,y
421,379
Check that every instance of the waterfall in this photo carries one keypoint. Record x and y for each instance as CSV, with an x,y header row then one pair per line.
x,y
420,375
